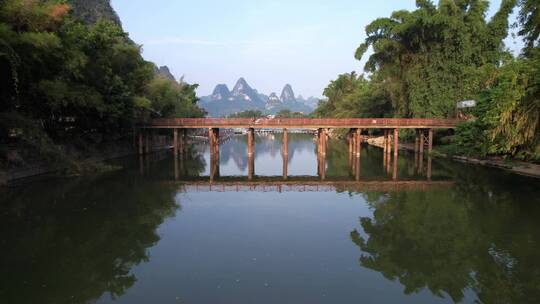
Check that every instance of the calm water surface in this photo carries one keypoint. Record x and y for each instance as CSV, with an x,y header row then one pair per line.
x,y
159,232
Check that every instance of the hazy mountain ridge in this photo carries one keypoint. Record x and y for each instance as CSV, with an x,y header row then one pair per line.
x,y
243,97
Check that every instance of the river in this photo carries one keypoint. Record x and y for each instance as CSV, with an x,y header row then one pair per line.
x,y
176,230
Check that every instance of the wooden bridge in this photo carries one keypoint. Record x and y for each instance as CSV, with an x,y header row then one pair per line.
x,y
303,123
390,127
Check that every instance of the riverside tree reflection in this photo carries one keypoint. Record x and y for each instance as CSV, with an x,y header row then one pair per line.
x,y
74,241
451,244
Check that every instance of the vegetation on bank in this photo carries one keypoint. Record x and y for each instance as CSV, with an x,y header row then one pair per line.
x,y
247,114
68,86
285,113
425,61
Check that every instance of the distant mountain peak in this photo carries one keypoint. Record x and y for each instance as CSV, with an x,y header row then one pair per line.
x,y
273,96
240,87
287,95
243,91
221,92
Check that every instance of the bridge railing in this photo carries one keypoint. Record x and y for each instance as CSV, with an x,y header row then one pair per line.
x,y
308,122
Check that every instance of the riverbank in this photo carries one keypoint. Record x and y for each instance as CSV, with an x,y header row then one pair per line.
x,y
514,166
94,162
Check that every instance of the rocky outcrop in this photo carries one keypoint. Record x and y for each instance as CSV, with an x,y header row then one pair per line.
x,y
90,11
287,94
221,93
164,72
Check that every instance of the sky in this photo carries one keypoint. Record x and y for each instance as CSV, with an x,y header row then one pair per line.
x,y
305,43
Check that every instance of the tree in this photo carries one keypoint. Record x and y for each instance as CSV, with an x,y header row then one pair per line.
x,y
428,59
529,19
172,99
69,86
508,114
352,95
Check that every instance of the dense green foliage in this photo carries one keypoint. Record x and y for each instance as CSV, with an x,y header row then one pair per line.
x,y
172,99
508,114
529,18
67,85
286,113
425,61
351,95
247,114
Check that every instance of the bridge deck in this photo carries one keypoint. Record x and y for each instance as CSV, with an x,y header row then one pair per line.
x,y
304,123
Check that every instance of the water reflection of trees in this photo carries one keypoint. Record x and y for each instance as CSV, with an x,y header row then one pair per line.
x,y
476,237
73,241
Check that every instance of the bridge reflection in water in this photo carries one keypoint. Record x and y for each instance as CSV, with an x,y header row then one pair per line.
x,y
299,184
304,183
389,163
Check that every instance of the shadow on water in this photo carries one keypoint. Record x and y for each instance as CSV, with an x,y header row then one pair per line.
x,y
463,233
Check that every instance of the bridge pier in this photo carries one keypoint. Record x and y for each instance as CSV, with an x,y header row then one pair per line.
x,y
180,144
416,141
176,170
394,174
350,142
429,168
396,143
175,141
352,150
216,141
141,144
147,142
214,166
183,141
422,140
430,141
251,141
285,142
358,142
213,138
321,135
285,166
385,139
357,168
251,166
388,151
389,144
322,166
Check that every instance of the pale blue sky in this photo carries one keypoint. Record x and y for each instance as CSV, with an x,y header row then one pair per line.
x,y
305,43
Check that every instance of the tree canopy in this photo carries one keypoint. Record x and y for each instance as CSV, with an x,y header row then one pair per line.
x,y
65,82
422,62
428,59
